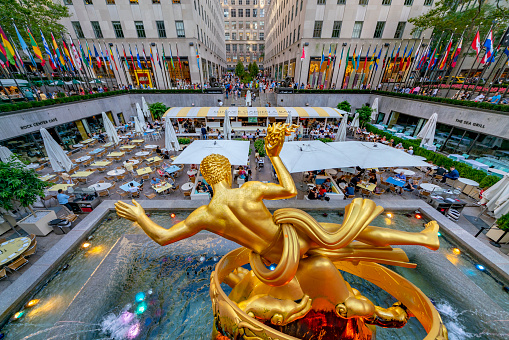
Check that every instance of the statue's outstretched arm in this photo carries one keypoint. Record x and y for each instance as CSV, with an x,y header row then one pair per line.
x,y
187,228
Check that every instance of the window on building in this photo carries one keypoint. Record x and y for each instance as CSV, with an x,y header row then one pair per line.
x,y
248,13
262,12
247,48
298,34
140,29
174,1
87,2
262,25
240,2
227,36
428,2
248,35
241,25
233,2
320,2
261,47
161,29
317,30
254,47
67,2
417,33
159,1
336,29
97,29
248,2
357,29
226,25
399,30
255,36
255,25
408,2
248,25
262,36
234,36
255,12
294,35
233,13
117,28
341,2
379,29
109,2
228,48
255,2
241,35
301,4
179,25
234,25
226,13
241,13
77,29
133,2
386,2
241,48
234,48
363,2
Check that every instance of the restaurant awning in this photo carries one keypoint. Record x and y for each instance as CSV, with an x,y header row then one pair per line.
x,y
281,112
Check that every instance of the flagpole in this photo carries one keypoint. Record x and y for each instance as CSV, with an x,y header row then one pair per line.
x,y
496,74
80,70
384,66
404,75
430,67
301,63
339,67
159,61
371,75
386,86
346,67
415,61
126,70
485,53
35,64
473,63
22,68
448,65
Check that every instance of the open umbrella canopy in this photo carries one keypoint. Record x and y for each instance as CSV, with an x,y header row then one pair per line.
x,y
375,155
237,152
110,129
141,117
57,83
374,107
227,127
171,141
427,133
355,121
341,134
57,157
497,197
312,155
145,108
137,126
5,154
96,81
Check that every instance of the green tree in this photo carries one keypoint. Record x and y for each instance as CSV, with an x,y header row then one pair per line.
x,y
239,69
253,69
364,114
36,14
19,185
345,106
157,109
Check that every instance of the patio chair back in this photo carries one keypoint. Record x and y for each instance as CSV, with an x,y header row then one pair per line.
x,y
16,265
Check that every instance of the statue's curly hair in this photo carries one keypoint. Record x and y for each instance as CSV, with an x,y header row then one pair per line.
x,y
215,168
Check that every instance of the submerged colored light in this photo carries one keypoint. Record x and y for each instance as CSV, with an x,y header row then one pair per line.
x,y
480,266
142,307
133,331
86,245
272,267
172,215
418,216
18,315
389,215
456,251
32,303
439,234
127,317
139,297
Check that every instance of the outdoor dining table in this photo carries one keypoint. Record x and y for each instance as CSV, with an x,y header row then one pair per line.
x,y
368,187
405,172
151,146
396,181
32,166
142,153
47,177
116,172
126,186
116,154
467,181
128,147
187,186
456,157
107,145
12,249
82,174
477,165
100,186
124,137
132,161
163,186
96,151
101,163
56,187
137,141
144,171
171,169
430,187
87,141
332,172
153,159
82,159
79,145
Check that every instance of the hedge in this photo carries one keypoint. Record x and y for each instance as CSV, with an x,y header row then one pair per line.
x,y
466,103
259,145
32,104
465,170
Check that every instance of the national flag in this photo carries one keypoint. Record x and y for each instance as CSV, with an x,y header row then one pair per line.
x,y
373,59
37,50
341,57
112,58
178,58
366,60
90,55
76,55
197,57
330,55
18,57
157,57
323,58
397,55
435,58
58,55
118,57
488,43
476,44
506,52
402,61
353,56
144,55
132,58
151,56
84,57
52,61
9,51
444,59
408,58
424,58
67,54
164,58
457,53
24,46
171,57
125,57
105,58
303,56
97,57
3,57
378,58
358,59
138,57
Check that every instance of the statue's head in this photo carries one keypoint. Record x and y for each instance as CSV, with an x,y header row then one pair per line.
x,y
216,168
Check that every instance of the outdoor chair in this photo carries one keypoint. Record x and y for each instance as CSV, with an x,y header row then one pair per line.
x,y
135,194
146,176
2,240
104,193
424,194
101,169
3,274
40,168
187,194
437,178
365,193
101,181
122,194
350,196
120,178
47,198
150,196
16,265
379,193
82,180
31,250
175,188
109,178
392,190
33,237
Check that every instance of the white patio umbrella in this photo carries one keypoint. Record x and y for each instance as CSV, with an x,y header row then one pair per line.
x,y
497,197
341,134
170,137
227,127
57,157
427,133
137,126
237,152
110,129
145,108
289,119
5,154
355,121
141,118
375,155
312,155
374,107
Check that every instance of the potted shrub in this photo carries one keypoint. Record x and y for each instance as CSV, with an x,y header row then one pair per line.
x,y
500,230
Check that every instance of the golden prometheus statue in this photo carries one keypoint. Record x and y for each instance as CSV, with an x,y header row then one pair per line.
x,y
305,296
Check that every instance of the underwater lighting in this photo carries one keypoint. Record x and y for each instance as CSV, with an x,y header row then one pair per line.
x,y
133,331
142,307
127,317
150,291
480,266
456,251
139,297
18,315
172,215
202,258
272,267
32,303
439,234
418,216
86,245
215,258
389,215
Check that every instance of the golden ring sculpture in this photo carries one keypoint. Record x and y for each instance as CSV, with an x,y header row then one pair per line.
x,y
305,283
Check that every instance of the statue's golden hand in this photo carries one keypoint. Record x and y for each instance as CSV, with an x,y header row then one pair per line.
x,y
276,137
130,212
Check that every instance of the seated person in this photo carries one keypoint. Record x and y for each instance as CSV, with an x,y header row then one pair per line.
x,y
169,180
63,199
327,185
429,169
409,186
311,175
313,194
166,155
132,189
128,166
350,190
372,178
160,172
391,142
321,172
158,150
361,170
355,180
401,175
342,179
242,173
66,179
399,146
200,187
440,171
155,181
453,174
411,150
322,190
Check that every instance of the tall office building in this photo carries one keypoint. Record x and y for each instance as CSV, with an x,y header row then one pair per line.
x,y
338,25
244,31
182,29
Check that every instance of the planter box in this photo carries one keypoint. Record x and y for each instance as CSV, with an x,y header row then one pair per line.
x,y
38,225
494,233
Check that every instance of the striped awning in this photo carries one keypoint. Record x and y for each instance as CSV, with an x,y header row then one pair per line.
x,y
282,112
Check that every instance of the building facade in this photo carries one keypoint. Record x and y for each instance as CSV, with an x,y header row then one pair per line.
x,y
184,31
321,26
244,31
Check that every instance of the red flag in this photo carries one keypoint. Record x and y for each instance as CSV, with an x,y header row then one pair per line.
x,y
444,59
303,54
456,55
476,44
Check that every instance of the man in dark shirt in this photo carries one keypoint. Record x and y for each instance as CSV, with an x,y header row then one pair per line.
x,y
440,171
313,194
355,180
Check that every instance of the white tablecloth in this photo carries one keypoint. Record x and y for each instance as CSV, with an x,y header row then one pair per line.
x,y
476,164
142,153
116,172
132,161
405,172
151,146
468,181
187,186
429,187
100,186
82,159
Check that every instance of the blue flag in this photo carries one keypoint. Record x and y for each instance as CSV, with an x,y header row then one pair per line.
x,y
138,57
